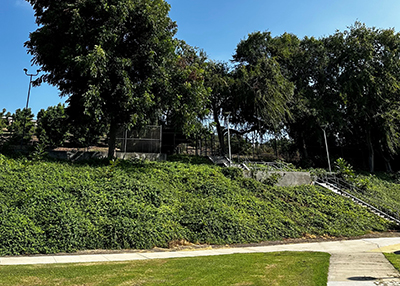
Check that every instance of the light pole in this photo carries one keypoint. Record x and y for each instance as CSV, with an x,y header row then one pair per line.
x,y
326,146
27,101
229,139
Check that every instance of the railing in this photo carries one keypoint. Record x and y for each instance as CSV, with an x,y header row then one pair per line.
x,y
349,190
269,166
224,161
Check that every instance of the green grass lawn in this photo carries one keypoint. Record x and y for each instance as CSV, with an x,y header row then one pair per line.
x,y
279,268
394,259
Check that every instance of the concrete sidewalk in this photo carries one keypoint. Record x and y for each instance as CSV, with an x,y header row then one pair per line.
x,y
353,262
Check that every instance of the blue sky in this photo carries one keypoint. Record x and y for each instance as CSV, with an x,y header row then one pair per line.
x,y
215,26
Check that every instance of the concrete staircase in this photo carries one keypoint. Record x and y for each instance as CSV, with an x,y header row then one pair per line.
x,y
338,186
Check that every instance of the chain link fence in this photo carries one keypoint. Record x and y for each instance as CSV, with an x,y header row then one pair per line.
x,y
146,140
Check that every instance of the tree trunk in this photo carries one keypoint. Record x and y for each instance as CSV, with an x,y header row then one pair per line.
x,y
303,148
371,154
112,140
386,159
388,165
276,144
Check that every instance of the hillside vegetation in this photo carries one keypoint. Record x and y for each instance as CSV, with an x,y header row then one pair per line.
x,y
49,207
381,190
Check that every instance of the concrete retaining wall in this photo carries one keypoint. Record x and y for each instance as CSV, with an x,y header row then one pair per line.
x,y
286,178
74,156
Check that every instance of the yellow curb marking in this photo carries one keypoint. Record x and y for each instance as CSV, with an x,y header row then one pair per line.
x,y
388,249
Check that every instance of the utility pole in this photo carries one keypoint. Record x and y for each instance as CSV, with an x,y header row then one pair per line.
x,y
229,139
326,147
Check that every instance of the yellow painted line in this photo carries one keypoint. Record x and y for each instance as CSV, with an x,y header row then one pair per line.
x,y
388,249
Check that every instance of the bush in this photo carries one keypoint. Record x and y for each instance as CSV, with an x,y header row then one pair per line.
x,y
232,173
196,160
344,169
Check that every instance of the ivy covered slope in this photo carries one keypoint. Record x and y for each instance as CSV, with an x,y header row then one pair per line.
x,y
381,190
48,207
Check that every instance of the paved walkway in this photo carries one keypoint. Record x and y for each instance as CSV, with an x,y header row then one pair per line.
x,y
353,262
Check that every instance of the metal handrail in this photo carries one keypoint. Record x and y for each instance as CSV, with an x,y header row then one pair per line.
x,y
280,166
339,184
344,184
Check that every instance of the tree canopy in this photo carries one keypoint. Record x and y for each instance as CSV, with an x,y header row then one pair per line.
x,y
21,127
369,85
120,66
52,128
112,55
347,83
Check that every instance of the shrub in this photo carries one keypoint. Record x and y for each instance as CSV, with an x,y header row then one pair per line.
x,y
344,169
232,173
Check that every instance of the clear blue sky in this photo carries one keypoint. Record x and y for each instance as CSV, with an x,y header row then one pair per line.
x,y
216,26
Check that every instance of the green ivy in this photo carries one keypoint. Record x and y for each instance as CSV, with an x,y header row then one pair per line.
x,y
49,207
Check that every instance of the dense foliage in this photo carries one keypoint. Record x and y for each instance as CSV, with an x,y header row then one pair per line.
x,y
49,207
3,120
52,128
381,190
22,127
120,66
117,61
347,83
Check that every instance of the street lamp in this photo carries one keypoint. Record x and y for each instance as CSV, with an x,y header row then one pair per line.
x,y
30,84
326,146
27,100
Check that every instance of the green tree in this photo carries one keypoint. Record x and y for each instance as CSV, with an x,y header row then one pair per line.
x,y
52,127
22,126
220,82
183,104
369,82
3,121
316,100
262,91
348,81
185,100
3,124
262,95
111,55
